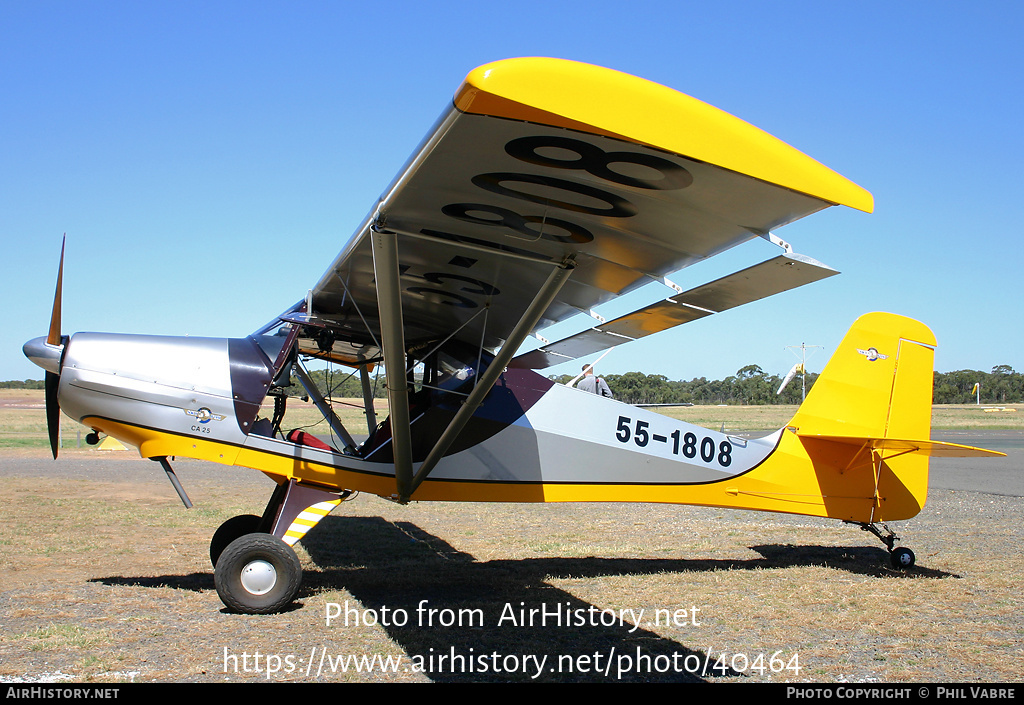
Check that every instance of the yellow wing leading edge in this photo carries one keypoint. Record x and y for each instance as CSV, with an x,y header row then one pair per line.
x,y
562,93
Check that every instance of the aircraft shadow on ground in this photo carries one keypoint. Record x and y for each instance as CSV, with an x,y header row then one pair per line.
x,y
397,568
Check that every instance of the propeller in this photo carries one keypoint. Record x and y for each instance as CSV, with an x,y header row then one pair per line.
x,y
51,383
52,379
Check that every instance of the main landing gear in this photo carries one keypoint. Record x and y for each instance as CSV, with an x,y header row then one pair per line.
x,y
233,528
256,570
257,574
901,558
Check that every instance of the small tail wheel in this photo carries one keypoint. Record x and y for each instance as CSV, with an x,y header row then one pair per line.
x,y
902,558
257,574
231,530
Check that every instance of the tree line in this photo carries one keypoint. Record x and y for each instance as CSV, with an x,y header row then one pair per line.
x,y
749,386
1000,386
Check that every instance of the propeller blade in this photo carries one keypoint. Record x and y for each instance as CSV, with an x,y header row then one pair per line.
x,y
52,380
52,411
53,338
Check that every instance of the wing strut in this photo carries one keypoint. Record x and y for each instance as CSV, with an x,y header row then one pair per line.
x,y
321,404
371,414
486,381
392,330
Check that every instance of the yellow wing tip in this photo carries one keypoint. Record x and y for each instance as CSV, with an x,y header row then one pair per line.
x,y
561,93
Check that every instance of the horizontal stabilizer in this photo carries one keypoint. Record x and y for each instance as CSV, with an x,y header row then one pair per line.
x,y
782,273
934,449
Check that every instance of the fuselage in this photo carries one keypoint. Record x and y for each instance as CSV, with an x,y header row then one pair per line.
x,y
189,396
531,440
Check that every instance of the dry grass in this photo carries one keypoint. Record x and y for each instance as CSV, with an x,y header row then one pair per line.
x,y
106,577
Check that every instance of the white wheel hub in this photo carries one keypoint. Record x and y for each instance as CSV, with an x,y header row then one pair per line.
x,y
259,577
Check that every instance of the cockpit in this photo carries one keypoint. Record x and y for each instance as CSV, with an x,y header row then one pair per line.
x,y
315,366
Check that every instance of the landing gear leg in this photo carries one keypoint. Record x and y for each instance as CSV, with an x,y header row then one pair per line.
x,y
239,526
256,570
901,558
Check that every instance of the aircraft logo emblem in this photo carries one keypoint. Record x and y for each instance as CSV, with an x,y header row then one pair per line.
x,y
204,415
872,354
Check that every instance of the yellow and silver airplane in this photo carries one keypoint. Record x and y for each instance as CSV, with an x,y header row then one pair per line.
x,y
546,189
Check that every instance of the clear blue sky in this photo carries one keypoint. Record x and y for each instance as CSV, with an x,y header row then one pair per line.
x,y
208,160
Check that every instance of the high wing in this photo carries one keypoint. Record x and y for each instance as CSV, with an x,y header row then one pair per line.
x,y
541,164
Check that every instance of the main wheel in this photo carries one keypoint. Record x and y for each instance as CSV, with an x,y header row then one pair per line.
x,y
257,574
229,531
902,558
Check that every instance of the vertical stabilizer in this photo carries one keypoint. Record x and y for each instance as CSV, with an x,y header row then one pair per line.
x,y
877,386
878,383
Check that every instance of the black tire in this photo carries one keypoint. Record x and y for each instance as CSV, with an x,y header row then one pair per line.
x,y
257,574
902,558
229,531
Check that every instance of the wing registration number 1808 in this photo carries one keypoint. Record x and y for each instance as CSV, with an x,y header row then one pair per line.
x,y
688,444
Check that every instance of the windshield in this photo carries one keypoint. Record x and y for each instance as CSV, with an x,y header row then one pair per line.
x,y
272,339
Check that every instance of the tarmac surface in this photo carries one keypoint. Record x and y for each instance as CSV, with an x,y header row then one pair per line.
x,y
1002,476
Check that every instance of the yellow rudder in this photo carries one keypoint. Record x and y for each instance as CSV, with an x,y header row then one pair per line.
x,y
878,385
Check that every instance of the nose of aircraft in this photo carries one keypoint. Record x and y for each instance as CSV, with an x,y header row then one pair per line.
x,y
48,356
44,354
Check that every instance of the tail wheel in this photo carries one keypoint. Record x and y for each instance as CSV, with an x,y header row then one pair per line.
x,y
230,530
257,574
902,558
